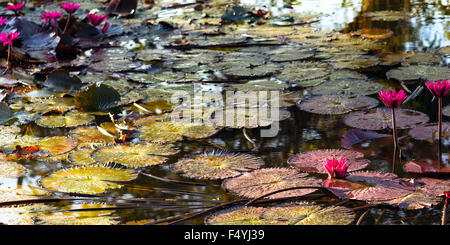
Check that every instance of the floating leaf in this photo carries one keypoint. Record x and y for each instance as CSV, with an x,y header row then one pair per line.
x,y
375,33
71,119
288,54
380,118
87,179
313,161
425,166
433,187
87,136
347,86
82,156
295,72
60,81
262,181
419,72
172,131
430,131
388,15
390,59
97,98
416,200
134,155
421,58
11,170
8,134
353,61
5,113
334,75
354,136
42,147
217,165
337,104
368,186
242,117
293,214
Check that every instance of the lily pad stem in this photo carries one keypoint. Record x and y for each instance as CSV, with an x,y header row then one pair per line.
x,y
394,130
440,130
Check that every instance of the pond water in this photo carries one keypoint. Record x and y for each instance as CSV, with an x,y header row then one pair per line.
x,y
421,27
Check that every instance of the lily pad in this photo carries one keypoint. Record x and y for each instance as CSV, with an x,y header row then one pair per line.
x,y
11,170
242,117
172,131
60,81
388,15
87,136
355,136
82,156
71,119
134,155
433,187
87,179
41,147
347,86
390,59
419,72
260,85
262,181
421,58
334,75
337,104
217,165
293,214
425,166
429,131
295,72
353,61
368,186
381,118
97,98
413,201
313,161
288,54
375,33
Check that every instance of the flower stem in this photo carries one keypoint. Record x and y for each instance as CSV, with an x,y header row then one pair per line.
x,y
444,213
55,25
7,59
67,24
440,130
394,131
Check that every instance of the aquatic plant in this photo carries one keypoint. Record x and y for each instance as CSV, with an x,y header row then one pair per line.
x,y
70,8
95,19
336,168
8,39
15,7
393,100
439,89
3,20
52,16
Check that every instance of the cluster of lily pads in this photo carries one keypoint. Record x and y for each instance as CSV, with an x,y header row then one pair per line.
x,y
106,95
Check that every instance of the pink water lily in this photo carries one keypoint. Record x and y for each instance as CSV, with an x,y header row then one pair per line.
x,y
14,7
438,88
336,168
447,194
69,7
392,99
3,20
95,19
8,38
52,15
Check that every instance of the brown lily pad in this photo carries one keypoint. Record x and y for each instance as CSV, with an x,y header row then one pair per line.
x,y
433,187
368,186
312,161
380,118
355,136
425,166
262,181
429,131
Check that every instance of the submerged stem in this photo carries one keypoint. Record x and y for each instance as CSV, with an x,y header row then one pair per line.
x,y
444,213
394,131
7,59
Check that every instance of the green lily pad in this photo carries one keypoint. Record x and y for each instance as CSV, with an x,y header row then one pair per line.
x,y
419,72
217,165
97,98
337,104
353,61
11,170
347,86
5,113
87,179
71,119
295,72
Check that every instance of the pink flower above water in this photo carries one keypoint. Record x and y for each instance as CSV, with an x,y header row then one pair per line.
x,y
447,194
392,99
336,168
8,38
52,15
70,7
96,19
438,88
3,20
14,7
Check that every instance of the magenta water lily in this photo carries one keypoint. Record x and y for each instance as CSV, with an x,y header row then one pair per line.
x,y
51,15
69,7
393,99
3,20
95,19
8,39
15,7
336,168
439,89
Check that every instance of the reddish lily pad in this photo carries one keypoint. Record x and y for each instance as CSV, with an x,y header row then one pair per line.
x,y
312,161
425,166
368,186
429,131
380,118
262,181
433,187
337,104
415,200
